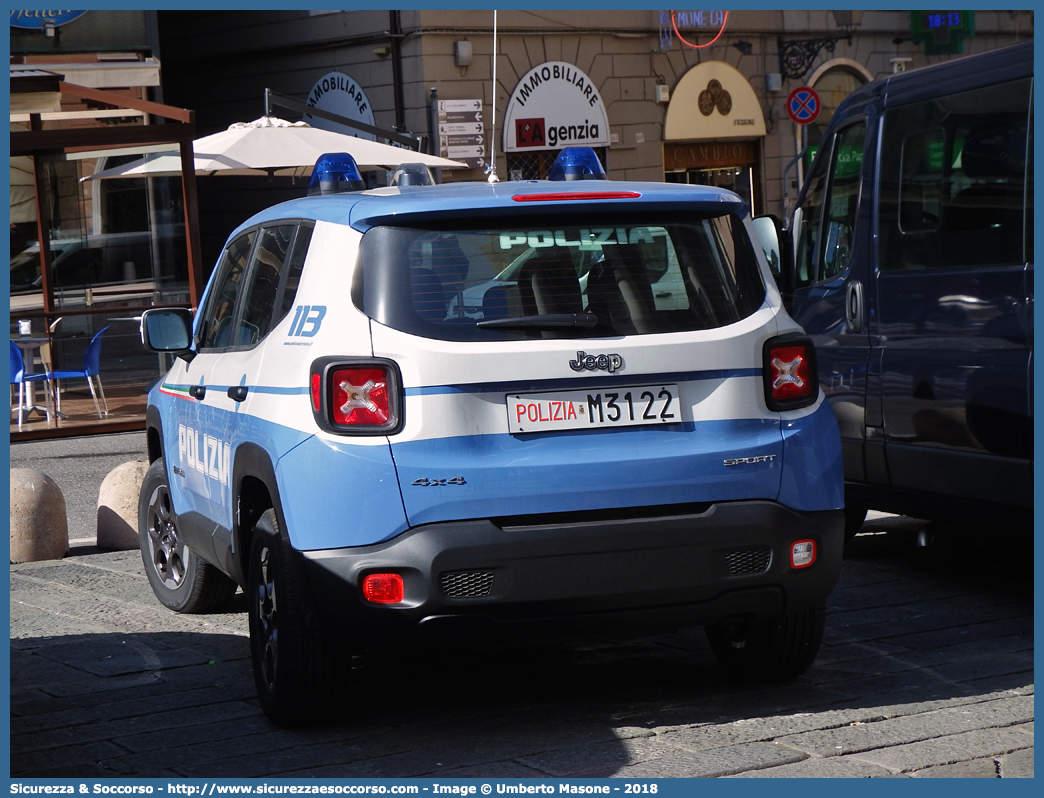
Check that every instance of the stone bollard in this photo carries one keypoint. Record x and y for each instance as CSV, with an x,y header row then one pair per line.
x,y
118,506
39,525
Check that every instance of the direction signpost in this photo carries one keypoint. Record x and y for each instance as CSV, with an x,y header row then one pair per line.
x,y
461,131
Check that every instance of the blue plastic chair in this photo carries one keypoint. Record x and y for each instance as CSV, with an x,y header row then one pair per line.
x,y
19,376
89,372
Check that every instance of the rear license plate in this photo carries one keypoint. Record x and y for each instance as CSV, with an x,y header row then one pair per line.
x,y
620,407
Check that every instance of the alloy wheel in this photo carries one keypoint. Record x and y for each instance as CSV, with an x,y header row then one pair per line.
x,y
265,613
169,556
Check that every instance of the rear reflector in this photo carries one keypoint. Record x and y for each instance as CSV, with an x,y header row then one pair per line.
x,y
317,392
576,196
791,376
383,588
802,553
360,396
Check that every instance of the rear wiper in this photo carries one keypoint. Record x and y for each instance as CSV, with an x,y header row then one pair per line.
x,y
548,320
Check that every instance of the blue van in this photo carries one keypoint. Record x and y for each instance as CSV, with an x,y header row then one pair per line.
x,y
909,261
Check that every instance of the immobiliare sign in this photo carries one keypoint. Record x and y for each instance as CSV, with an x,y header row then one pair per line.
x,y
555,105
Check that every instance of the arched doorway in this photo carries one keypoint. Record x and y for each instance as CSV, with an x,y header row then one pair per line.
x,y
713,131
833,81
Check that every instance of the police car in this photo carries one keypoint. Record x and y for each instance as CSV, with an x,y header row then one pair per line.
x,y
483,411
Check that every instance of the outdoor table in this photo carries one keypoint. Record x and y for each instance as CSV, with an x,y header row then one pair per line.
x,y
30,345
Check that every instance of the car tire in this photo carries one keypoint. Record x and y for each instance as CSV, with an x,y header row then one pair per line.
x,y
179,578
301,674
770,651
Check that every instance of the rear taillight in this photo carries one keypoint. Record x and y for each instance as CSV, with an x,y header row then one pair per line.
x,y
357,397
790,373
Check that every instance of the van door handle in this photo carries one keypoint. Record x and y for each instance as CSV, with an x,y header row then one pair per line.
x,y
198,392
855,307
237,393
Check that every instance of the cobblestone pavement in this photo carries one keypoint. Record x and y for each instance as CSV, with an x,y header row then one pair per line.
x,y
926,671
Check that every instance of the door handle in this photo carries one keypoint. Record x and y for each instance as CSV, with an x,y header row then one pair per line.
x,y
198,392
855,307
237,393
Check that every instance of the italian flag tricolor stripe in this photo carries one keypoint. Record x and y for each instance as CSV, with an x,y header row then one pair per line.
x,y
177,391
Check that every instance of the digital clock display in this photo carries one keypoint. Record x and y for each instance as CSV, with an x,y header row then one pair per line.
x,y
934,20
942,31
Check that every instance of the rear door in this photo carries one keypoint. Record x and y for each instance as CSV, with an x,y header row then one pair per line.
x,y
654,384
198,475
954,292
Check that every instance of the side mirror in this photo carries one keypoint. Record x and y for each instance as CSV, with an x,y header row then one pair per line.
x,y
775,242
168,330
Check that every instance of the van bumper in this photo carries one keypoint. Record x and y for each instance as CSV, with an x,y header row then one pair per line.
x,y
508,578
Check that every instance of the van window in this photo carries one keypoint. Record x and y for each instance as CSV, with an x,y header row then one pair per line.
x,y
839,218
824,244
523,278
806,254
953,180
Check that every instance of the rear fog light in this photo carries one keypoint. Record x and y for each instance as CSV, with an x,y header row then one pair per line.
x,y
383,588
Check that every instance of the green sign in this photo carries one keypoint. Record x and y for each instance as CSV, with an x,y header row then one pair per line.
x,y
849,160
942,32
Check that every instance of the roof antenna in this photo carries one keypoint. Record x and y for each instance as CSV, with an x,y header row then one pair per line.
x,y
492,166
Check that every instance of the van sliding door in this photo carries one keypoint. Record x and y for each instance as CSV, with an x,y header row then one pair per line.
x,y
954,309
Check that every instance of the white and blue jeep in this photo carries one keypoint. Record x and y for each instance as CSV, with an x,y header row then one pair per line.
x,y
418,412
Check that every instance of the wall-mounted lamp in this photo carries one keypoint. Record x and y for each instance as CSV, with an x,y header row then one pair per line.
x,y
745,47
48,28
848,20
382,50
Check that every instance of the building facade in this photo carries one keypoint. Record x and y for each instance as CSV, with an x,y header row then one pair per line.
x,y
684,96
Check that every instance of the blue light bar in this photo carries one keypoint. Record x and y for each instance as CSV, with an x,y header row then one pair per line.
x,y
577,163
412,174
335,173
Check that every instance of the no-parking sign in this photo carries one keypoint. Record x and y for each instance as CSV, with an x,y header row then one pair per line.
x,y
804,105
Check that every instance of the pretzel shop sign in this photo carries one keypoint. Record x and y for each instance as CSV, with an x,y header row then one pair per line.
x,y
555,105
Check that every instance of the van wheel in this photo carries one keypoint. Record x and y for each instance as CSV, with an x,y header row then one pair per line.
x,y
301,674
855,515
181,580
770,651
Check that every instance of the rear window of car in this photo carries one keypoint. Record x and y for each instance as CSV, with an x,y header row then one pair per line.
x,y
539,277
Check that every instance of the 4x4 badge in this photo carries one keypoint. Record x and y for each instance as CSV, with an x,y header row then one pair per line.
x,y
588,362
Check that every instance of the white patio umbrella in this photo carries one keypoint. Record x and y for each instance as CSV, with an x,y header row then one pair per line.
x,y
272,146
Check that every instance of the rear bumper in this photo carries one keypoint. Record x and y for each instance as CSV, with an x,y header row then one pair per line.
x,y
581,576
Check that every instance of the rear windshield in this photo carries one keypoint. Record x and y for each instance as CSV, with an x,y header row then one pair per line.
x,y
541,278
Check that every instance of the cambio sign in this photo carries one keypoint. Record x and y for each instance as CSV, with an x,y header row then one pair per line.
x,y
555,105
